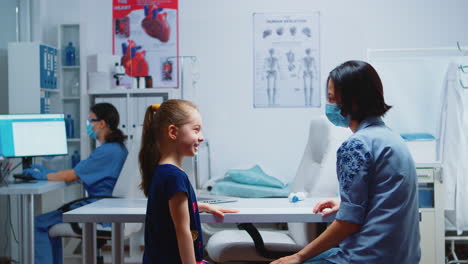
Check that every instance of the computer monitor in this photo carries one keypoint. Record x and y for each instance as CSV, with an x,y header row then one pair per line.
x,y
31,135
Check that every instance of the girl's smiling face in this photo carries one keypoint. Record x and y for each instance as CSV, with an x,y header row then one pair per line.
x,y
189,135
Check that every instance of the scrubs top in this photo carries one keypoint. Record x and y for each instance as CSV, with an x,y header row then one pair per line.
x,y
99,172
160,235
378,189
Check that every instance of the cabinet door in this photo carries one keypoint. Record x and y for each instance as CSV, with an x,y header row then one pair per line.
x,y
138,103
428,237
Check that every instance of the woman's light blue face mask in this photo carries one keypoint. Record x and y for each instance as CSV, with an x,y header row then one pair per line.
x,y
333,113
89,129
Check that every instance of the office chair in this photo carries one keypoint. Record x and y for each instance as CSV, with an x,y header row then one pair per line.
x,y
315,175
126,186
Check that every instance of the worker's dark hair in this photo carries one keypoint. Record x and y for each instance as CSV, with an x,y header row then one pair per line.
x,y
108,113
360,89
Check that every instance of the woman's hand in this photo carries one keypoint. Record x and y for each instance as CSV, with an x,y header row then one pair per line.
x,y
293,259
214,209
327,207
38,172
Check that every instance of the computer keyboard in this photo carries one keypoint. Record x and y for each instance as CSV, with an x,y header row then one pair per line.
x,y
215,200
23,177
218,201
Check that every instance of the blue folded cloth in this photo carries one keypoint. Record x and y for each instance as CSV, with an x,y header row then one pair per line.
x,y
254,176
417,137
250,183
230,188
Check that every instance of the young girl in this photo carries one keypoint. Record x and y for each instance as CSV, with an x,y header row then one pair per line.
x,y
173,235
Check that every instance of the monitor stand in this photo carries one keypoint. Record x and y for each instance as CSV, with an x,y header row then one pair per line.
x,y
26,162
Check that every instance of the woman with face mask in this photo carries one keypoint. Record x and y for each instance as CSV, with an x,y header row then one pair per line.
x,y
98,173
377,219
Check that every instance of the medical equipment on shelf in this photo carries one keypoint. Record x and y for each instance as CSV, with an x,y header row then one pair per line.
x,y
70,55
119,73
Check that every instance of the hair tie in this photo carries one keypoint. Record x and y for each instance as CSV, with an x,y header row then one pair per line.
x,y
155,106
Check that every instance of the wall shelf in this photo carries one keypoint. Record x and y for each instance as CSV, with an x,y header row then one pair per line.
x,y
133,91
50,90
70,83
75,67
425,179
69,98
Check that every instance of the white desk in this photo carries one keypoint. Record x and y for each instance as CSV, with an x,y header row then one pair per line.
x,y
118,211
26,192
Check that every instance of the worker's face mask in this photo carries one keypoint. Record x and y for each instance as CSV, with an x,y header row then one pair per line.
x,y
90,131
333,112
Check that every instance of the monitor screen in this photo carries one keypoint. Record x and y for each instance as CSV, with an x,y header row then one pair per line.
x,y
29,135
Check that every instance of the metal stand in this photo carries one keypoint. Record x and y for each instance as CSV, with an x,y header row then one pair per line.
x,y
181,61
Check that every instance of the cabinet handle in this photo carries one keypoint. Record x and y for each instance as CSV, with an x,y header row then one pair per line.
x,y
439,176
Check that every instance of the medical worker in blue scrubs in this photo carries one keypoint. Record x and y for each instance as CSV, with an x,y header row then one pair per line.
x,y
377,218
98,173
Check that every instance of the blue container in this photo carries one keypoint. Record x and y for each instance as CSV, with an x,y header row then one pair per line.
x,y
70,55
426,197
69,127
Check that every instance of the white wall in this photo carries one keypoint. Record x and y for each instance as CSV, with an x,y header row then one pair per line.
x,y
219,33
53,13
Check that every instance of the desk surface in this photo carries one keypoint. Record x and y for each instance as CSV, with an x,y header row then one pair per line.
x,y
262,210
37,187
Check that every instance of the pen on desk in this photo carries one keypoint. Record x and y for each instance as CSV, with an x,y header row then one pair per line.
x,y
16,166
9,167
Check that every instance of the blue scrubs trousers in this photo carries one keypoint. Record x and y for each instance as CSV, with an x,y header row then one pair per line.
x,y
48,250
321,259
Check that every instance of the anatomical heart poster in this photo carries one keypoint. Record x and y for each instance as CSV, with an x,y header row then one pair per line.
x,y
286,60
145,36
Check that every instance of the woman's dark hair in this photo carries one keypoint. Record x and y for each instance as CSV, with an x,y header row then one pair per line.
x,y
108,113
360,89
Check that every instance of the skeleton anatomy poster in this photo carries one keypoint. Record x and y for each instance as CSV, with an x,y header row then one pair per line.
x,y
286,60
145,36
